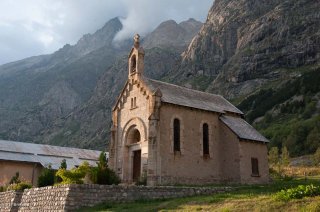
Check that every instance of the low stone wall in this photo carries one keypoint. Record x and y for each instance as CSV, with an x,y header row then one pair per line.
x,y
51,198
9,201
72,197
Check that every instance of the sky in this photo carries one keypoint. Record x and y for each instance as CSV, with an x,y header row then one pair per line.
x,y
35,27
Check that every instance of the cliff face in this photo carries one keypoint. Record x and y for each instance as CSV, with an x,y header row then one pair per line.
x,y
244,43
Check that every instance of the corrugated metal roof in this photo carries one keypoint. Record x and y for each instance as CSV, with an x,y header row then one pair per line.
x,y
46,154
178,95
242,129
18,157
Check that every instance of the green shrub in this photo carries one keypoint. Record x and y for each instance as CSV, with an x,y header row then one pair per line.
x,y
298,192
102,174
73,176
3,188
46,177
98,175
15,179
19,186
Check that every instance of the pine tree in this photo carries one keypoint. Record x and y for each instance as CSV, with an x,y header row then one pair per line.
x,y
63,164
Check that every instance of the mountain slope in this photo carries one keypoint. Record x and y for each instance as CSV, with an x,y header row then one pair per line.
x,y
169,34
53,99
244,43
37,90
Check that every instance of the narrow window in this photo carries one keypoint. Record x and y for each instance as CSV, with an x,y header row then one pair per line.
x,y
255,167
131,102
133,65
205,139
135,102
176,135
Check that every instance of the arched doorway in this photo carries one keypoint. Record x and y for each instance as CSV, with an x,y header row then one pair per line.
x,y
134,155
133,140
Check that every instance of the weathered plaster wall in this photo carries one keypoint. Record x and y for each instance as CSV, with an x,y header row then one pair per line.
x,y
256,150
230,159
188,166
27,171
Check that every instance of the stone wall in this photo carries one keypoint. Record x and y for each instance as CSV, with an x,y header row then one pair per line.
x,y
9,201
51,198
72,197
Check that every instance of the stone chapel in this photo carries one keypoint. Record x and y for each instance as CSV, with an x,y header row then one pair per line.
x,y
170,134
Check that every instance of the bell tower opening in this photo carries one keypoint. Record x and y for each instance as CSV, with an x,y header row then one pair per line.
x,y
136,56
133,63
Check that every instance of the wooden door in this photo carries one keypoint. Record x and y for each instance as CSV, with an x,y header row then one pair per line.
x,y
136,165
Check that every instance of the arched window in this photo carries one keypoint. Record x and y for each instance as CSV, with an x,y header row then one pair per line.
x,y
205,139
176,135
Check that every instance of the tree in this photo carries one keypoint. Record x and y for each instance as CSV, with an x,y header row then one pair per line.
x,y
63,164
285,157
15,179
103,161
273,156
46,177
313,139
316,157
103,174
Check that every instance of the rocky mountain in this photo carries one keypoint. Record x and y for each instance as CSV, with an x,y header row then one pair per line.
x,y
37,90
243,44
57,98
170,33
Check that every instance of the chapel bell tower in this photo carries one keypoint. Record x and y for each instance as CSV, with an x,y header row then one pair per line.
x,y
136,57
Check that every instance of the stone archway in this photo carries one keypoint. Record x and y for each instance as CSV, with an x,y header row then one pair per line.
x,y
134,141
133,136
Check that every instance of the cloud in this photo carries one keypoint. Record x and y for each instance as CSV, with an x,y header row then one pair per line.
x,y
142,16
35,27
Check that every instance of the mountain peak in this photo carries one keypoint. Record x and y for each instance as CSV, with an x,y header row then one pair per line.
x,y
171,34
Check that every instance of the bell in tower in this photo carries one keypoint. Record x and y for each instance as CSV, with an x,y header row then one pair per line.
x,y
136,57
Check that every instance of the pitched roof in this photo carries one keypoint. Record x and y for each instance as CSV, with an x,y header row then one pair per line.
x,y
46,154
242,129
178,95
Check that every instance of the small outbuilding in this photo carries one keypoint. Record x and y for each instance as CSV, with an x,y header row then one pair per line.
x,y
29,159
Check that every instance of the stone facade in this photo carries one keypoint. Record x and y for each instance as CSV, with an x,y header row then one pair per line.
x,y
143,135
72,197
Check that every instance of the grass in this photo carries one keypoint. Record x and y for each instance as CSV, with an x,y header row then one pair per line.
x,y
243,198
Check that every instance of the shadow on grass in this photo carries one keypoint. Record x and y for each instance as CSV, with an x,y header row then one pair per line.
x,y
239,192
